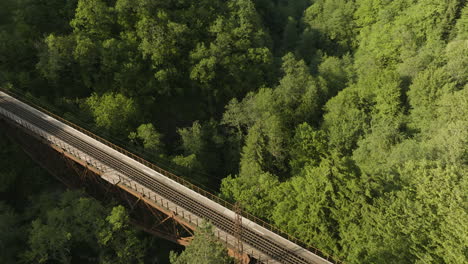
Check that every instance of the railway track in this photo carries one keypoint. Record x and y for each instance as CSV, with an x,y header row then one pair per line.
x,y
264,244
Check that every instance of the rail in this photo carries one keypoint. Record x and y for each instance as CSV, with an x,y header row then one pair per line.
x,y
178,179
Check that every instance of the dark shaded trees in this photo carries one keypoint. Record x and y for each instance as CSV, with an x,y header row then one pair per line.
x,y
204,248
236,58
74,228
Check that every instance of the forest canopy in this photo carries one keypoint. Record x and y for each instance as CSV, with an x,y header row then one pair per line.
x,y
342,122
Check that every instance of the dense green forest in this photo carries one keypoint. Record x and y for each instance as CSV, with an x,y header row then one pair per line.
x,y
343,122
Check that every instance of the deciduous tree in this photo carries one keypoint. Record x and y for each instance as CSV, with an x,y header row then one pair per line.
x,y
204,248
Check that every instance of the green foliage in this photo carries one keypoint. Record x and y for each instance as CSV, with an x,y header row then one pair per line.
x,y
73,228
121,242
264,147
152,47
192,141
432,193
346,119
194,144
457,60
308,148
298,92
253,192
189,162
334,19
204,248
93,18
337,73
61,228
266,115
149,137
113,112
462,24
56,56
200,144
305,205
449,139
343,122
237,41
160,40
426,89
48,243
396,32
281,20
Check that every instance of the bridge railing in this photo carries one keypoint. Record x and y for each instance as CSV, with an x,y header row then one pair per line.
x,y
176,178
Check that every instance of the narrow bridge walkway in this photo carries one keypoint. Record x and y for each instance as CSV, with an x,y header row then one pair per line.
x,y
189,204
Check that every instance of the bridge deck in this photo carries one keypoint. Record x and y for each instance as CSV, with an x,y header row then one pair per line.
x,y
259,242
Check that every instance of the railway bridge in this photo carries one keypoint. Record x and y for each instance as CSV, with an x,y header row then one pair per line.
x,y
246,236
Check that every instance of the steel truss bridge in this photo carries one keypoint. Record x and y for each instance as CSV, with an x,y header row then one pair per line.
x,y
160,191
